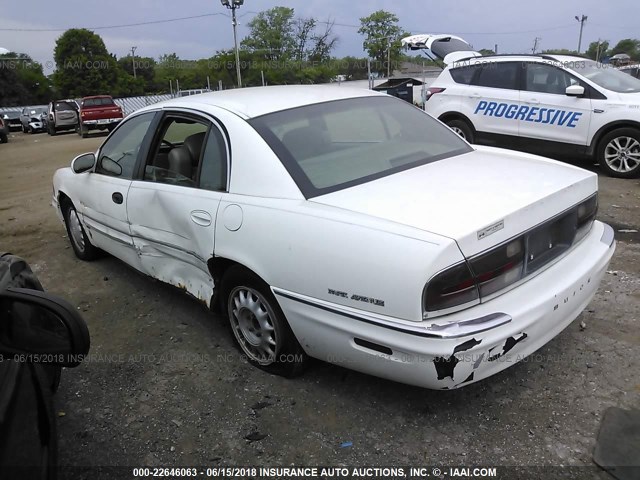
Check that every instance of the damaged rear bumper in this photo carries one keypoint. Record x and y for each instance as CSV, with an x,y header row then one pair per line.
x,y
521,321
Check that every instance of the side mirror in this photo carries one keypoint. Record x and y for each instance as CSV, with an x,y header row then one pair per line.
x,y
41,328
110,166
574,91
83,163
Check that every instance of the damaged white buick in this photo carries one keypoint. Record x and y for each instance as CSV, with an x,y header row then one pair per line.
x,y
344,225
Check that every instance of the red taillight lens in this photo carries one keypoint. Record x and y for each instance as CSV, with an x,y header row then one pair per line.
x,y
452,287
433,90
499,268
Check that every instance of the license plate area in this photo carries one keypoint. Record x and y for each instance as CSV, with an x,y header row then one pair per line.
x,y
549,241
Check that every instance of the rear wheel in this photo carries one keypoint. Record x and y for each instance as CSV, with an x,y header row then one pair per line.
x,y
259,325
3,138
82,247
462,128
619,153
51,130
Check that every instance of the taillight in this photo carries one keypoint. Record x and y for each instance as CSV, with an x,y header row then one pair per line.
x,y
433,90
480,277
450,288
586,215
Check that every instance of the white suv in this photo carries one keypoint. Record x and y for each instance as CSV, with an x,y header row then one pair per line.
x,y
545,104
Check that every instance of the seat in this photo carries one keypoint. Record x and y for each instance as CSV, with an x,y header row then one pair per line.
x,y
305,142
180,162
193,143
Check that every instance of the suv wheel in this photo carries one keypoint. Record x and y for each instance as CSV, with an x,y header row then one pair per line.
x,y
619,153
462,128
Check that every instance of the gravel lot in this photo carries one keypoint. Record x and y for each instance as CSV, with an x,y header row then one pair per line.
x,y
165,384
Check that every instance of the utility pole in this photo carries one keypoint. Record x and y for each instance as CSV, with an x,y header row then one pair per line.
x,y
133,59
535,45
233,5
582,21
389,60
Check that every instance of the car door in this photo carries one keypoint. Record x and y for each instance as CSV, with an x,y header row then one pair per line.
x,y
173,206
103,193
552,114
493,98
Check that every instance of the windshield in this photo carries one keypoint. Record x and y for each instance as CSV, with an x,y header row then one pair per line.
x,y
335,145
607,76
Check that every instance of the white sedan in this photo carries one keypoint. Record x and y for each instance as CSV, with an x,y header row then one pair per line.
x,y
344,225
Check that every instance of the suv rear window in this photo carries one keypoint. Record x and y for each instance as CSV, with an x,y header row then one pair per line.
x,y
463,75
498,75
62,106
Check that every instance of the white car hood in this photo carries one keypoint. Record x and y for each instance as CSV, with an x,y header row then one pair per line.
x,y
467,197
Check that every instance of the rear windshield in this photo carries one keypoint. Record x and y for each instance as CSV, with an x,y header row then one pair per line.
x,y
335,145
97,102
62,106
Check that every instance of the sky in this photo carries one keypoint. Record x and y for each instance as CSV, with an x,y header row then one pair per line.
x,y
510,24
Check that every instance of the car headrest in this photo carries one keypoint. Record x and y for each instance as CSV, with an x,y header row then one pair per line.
x,y
193,143
180,162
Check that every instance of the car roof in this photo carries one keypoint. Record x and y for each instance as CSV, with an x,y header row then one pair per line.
x,y
97,96
256,101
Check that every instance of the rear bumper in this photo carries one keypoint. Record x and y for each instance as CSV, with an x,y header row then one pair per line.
x,y
538,310
101,123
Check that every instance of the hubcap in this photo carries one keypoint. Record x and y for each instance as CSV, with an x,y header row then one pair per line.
x,y
622,154
252,322
76,230
458,131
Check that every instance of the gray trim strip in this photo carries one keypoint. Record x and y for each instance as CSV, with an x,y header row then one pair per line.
x,y
453,330
608,235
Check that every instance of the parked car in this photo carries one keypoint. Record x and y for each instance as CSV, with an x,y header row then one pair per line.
x,y
345,225
633,70
546,104
32,119
62,115
12,120
4,132
98,113
39,334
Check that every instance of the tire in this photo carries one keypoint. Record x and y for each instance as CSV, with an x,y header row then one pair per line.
x,y
270,345
462,128
51,130
619,153
16,273
3,138
83,132
78,238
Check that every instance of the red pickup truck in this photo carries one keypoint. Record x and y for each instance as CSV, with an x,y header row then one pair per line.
x,y
98,112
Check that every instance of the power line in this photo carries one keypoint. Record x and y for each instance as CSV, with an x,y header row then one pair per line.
x,y
105,27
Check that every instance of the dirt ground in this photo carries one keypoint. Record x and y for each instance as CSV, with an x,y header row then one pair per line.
x,y
165,384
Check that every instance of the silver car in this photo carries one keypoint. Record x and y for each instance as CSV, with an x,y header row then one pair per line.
x,y
32,119
62,115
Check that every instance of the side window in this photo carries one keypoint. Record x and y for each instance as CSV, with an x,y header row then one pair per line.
x,y
547,79
463,75
118,155
213,172
176,155
498,75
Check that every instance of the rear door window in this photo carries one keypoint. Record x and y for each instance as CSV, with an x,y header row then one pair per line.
x,y
498,75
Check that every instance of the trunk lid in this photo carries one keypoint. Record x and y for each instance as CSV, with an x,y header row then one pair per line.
x,y
479,199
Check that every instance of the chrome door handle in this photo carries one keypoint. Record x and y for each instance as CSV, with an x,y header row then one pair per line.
x,y
200,217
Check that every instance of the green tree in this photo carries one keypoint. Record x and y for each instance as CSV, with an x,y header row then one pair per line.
x,y
382,39
22,81
323,43
560,51
144,81
630,46
272,34
83,64
597,50
486,51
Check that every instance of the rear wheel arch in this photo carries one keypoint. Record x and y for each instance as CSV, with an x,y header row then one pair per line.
x,y
592,149
218,267
456,117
